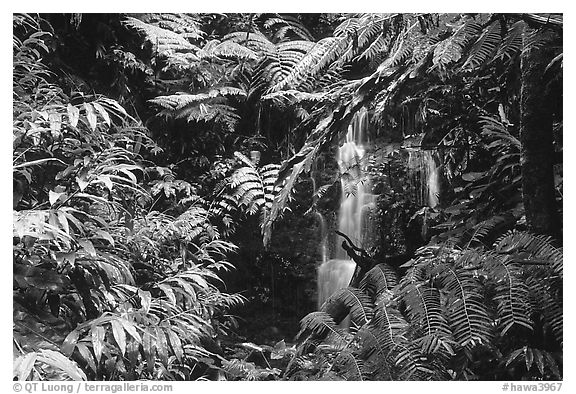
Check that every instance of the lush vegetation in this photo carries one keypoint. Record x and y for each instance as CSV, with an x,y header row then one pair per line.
x,y
163,163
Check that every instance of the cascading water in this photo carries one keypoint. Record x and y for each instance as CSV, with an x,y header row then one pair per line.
x,y
335,272
425,175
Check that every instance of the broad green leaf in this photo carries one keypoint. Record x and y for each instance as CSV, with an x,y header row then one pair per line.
x,y
63,221
53,197
82,183
149,350
63,258
131,329
162,346
106,181
145,299
69,343
98,334
119,335
176,344
58,360
36,162
529,357
102,112
88,247
24,365
73,115
90,115
55,125
539,361
133,351
105,235
87,355
168,291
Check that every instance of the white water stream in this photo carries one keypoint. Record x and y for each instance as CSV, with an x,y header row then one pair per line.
x,y
336,269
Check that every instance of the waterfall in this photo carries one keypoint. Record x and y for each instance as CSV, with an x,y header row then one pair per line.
x,y
425,176
336,271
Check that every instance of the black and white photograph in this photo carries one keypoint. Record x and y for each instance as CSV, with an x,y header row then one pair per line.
x,y
268,196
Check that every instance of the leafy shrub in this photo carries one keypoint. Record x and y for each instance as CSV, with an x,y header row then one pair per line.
x,y
105,287
471,313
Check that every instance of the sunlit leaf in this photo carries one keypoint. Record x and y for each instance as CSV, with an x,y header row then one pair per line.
x,y
23,365
73,115
70,343
102,112
98,334
119,335
90,115
87,246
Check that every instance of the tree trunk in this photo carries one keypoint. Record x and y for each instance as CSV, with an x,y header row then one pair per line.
x,y
536,136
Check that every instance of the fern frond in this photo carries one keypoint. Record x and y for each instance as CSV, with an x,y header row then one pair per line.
x,y
485,47
348,366
425,311
288,24
317,58
484,229
403,357
257,42
359,304
186,25
548,305
467,313
226,50
380,278
450,50
537,246
512,42
163,41
512,293
319,323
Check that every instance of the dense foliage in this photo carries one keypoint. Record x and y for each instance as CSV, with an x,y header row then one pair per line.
x,y
150,151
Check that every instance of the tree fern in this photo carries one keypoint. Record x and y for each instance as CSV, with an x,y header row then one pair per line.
x,y
404,359
512,294
467,312
285,24
163,41
512,42
379,279
348,366
359,304
187,25
538,246
451,49
216,49
485,46
319,323
424,309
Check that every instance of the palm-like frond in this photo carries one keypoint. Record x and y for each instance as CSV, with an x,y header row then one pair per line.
x,y
537,246
270,74
163,41
512,294
285,25
226,50
380,278
485,46
512,42
359,304
468,316
187,25
319,323
424,309
451,49
254,188
348,366
404,359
